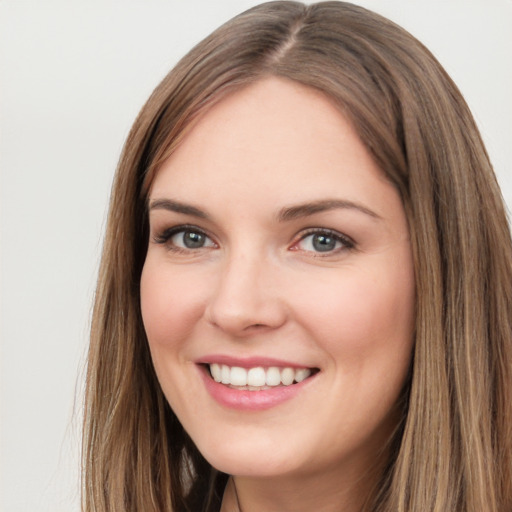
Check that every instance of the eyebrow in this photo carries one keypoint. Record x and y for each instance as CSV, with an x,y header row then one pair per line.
x,y
176,206
310,208
285,214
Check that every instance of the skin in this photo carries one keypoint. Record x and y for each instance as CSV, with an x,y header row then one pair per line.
x,y
259,287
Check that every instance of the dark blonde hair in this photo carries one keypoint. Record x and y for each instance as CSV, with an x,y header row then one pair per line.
x,y
453,447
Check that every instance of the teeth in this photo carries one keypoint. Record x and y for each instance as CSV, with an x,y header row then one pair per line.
x,y
238,376
216,372
287,376
257,378
302,374
273,377
225,375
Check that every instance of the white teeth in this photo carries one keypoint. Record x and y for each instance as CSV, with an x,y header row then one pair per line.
x,y
287,376
238,376
257,378
273,377
225,374
216,372
302,374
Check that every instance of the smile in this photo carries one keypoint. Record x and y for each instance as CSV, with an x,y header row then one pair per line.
x,y
257,378
254,385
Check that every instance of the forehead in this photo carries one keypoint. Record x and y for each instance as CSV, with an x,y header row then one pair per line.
x,y
275,138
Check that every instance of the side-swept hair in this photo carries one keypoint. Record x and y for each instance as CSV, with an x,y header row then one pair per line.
x,y
453,447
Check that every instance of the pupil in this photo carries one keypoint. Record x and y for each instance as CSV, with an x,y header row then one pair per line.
x,y
323,243
193,240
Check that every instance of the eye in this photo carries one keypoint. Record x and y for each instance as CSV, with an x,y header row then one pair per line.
x,y
185,238
190,240
323,241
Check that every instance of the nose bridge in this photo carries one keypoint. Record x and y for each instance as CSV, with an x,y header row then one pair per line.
x,y
245,296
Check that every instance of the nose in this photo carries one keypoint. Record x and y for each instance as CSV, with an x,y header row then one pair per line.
x,y
247,297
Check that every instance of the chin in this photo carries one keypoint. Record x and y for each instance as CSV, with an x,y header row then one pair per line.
x,y
250,468
253,459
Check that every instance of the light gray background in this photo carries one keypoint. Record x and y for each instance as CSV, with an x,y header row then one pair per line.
x,y
73,76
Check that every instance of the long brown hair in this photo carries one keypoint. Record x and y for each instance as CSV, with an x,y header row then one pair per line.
x,y
453,447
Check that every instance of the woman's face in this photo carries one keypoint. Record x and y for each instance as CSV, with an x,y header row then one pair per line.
x,y
279,253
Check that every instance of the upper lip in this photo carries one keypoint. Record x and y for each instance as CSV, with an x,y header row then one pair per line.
x,y
249,362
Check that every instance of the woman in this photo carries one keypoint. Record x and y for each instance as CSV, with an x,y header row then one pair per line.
x,y
305,283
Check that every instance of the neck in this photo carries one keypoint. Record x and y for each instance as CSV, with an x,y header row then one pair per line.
x,y
230,500
298,494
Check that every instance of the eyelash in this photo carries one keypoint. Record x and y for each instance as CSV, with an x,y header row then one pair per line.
x,y
346,242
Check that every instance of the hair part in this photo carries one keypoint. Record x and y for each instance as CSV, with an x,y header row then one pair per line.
x,y
452,449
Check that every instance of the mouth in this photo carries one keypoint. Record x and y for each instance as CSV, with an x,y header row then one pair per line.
x,y
258,378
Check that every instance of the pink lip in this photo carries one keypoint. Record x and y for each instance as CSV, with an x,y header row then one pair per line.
x,y
251,400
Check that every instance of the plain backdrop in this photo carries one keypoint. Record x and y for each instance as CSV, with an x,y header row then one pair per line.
x,y
73,75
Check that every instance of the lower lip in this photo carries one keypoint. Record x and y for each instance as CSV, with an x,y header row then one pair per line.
x,y
251,400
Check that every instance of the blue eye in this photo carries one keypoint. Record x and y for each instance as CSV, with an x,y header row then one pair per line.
x,y
324,241
185,238
191,240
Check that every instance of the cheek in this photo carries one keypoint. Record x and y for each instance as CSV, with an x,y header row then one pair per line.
x,y
171,302
361,315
